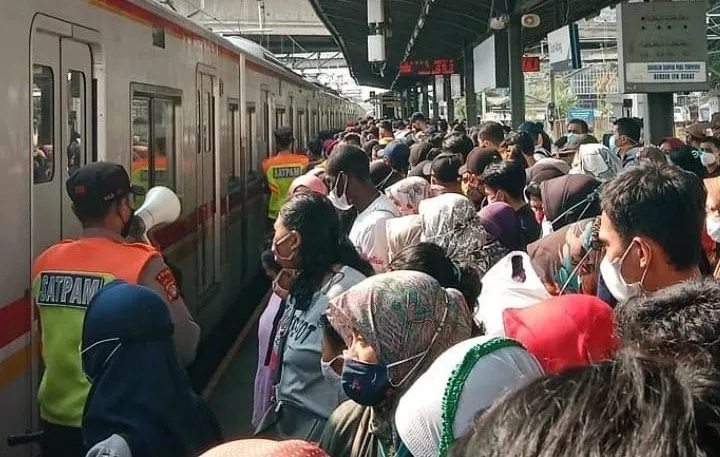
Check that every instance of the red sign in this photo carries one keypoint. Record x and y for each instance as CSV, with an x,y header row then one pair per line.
x,y
429,67
530,64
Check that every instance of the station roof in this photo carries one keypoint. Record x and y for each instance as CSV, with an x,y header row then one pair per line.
x,y
427,29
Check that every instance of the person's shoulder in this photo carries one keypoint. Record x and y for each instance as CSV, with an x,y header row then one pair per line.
x,y
342,280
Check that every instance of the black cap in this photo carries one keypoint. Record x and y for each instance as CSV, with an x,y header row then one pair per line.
x,y
479,159
398,154
100,183
419,169
444,167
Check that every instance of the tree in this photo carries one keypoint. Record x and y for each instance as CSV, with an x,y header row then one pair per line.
x,y
537,85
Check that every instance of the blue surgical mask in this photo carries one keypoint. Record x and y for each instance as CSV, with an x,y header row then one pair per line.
x,y
570,137
611,143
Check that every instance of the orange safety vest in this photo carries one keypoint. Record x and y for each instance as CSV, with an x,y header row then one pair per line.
x,y
65,278
280,171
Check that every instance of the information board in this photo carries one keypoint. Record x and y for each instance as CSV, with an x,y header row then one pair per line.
x,y
662,47
586,114
428,67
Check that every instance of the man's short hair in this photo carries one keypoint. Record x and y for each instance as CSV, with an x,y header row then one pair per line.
x,y
491,131
506,176
386,125
522,141
678,322
629,127
352,138
661,202
458,143
583,125
351,160
284,137
712,140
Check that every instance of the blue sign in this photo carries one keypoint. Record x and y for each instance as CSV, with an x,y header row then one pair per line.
x,y
586,114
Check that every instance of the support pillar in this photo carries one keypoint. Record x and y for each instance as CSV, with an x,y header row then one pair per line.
x,y
449,99
658,121
425,108
470,97
517,79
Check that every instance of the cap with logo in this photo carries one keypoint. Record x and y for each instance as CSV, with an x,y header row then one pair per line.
x,y
100,183
479,159
444,167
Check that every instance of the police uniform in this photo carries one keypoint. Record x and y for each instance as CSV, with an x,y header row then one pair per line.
x,y
66,277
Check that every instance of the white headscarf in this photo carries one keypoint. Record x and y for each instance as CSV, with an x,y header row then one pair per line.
x,y
450,221
408,193
465,380
402,232
597,161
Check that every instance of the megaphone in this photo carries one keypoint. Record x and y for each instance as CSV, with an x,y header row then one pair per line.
x,y
161,206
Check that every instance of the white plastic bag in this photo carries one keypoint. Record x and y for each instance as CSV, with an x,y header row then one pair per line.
x,y
501,291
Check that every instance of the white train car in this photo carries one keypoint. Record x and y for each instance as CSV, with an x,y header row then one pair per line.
x,y
130,82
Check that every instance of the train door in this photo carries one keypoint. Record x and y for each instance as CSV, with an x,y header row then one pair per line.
x,y
206,185
61,132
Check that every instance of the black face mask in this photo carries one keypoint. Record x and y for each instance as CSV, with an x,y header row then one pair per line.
x,y
128,225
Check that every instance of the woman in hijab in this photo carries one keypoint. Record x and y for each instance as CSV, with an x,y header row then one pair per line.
x,y
266,448
307,183
503,227
141,403
395,325
597,161
568,199
407,194
451,222
564,332
464,381
402,232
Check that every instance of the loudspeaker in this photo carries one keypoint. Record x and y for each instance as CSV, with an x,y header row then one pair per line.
x,y
161,206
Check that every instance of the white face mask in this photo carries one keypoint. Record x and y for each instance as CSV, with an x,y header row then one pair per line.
x,y
340,203
547,227
611,272
712,226
327,370
707,159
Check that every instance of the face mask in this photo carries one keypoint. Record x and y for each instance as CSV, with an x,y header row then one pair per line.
x,y
707,159
283,281
340,203
288,260
712,226
570,137
611,272
127,225
365,383
611,143
547,227
327,371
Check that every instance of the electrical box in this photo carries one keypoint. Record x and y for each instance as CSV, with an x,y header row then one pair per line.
x,y
376,48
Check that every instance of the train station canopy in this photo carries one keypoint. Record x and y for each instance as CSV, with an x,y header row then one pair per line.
x,y
431,29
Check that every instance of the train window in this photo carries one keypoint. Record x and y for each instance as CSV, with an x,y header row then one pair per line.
x,y
301,129
206,110
154,140
280,118
291,118
43,119
76,120
234,130
266,121
251,123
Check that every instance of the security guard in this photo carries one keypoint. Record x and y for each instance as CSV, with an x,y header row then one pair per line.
x,y
65,278
281,170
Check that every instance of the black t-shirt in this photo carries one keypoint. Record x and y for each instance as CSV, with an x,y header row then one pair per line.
x,y
530,230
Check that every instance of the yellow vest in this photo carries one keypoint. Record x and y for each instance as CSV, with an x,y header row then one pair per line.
x,y
280,171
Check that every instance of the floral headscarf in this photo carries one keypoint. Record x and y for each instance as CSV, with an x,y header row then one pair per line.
x,y
402,232
451,222
597,161
399,313
408,193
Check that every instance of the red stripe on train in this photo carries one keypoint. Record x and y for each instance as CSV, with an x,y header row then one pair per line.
x,y
15,320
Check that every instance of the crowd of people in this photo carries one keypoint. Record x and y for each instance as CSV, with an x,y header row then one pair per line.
x,y
443,291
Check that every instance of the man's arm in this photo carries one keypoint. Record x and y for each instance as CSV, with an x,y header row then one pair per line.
x,y
158,276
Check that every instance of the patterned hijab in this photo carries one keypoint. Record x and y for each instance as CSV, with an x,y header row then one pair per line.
x,y
266,448
402,232
408,193
451,222
399,313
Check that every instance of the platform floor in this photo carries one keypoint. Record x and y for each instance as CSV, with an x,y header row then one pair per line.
x,y
231,398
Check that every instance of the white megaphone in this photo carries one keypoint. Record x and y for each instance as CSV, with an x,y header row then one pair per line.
x,y
161,206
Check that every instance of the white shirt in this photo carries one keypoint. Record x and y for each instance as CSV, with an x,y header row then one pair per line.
x,y
364,230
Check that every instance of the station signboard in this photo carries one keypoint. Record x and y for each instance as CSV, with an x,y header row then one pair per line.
x,y
586,114
662,47
564,47
428,67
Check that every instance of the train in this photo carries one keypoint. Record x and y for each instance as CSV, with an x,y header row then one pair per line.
x,y
132,82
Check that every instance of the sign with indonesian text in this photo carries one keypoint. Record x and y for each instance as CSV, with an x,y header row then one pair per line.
x,y
662,47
